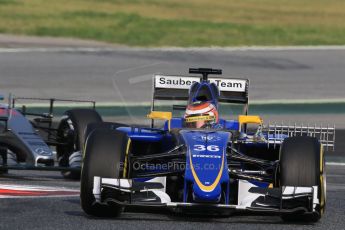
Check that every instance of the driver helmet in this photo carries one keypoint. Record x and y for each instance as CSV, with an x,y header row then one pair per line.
x,y
201,115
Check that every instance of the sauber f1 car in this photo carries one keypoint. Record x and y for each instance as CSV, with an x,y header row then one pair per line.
x,y
201,163
28,140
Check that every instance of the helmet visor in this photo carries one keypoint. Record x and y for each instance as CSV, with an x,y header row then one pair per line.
x,y
199,121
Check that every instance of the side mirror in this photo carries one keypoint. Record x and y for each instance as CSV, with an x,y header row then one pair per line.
x,y
160,115
244,119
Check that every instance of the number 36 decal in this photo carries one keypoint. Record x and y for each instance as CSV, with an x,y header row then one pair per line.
x,y
211,148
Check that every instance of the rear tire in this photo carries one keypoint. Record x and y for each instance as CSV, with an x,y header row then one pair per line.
x,y
302,164
105,153
71,131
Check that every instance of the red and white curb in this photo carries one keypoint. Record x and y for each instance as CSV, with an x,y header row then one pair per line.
x,y
22,191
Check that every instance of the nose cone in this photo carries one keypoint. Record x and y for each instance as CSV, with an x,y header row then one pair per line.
x,y
201,196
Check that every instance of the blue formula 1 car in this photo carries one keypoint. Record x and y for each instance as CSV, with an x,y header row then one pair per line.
x,y
201,163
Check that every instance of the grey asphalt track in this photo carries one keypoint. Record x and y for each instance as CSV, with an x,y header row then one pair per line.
x,y
66,213
125,74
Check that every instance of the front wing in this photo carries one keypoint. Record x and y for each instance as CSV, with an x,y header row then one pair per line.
x,y
128,193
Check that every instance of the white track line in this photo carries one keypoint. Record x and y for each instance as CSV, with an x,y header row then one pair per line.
x,y
172,49
335,163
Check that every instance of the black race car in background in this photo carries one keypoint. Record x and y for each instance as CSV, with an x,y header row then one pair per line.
x,y
28,140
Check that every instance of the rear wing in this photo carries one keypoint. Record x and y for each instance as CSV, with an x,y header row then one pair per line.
x,y
176,88
50,104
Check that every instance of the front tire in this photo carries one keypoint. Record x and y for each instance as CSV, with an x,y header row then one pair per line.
x,y
101,125
302,165
71,133
105,154
7,158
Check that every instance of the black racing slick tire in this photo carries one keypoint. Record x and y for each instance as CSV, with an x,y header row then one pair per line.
x,y
71,135
105,156
3,159
7,158
175,183
101,125
302,164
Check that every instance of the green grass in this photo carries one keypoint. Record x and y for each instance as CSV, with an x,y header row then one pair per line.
x,y
5,2
180,22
